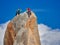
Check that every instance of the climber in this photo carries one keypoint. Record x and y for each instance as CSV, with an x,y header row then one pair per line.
x,y
28,12
18,11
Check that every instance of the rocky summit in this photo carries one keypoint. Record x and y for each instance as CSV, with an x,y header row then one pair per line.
x,y
22,30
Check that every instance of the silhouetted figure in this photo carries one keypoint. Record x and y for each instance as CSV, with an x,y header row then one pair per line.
x,y
18,11
28,12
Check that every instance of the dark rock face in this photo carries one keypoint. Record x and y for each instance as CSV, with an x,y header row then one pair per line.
x,y
22,30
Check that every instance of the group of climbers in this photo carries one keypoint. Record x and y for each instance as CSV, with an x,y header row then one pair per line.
x,y
28,12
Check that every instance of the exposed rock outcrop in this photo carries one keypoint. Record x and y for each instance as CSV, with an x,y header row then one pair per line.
x,y
22,30
9,35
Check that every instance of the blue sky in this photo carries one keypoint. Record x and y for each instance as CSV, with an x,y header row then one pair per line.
x,y
47,11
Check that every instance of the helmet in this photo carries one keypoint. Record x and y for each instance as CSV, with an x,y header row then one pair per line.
x,y
28,9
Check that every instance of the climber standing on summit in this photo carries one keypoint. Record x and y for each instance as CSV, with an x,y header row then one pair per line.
x,y
18,11
28,12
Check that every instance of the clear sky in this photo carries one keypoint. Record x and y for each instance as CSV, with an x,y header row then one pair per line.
x,y
47,11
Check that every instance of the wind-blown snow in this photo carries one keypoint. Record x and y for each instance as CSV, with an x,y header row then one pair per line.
x,y
2,31
48,35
